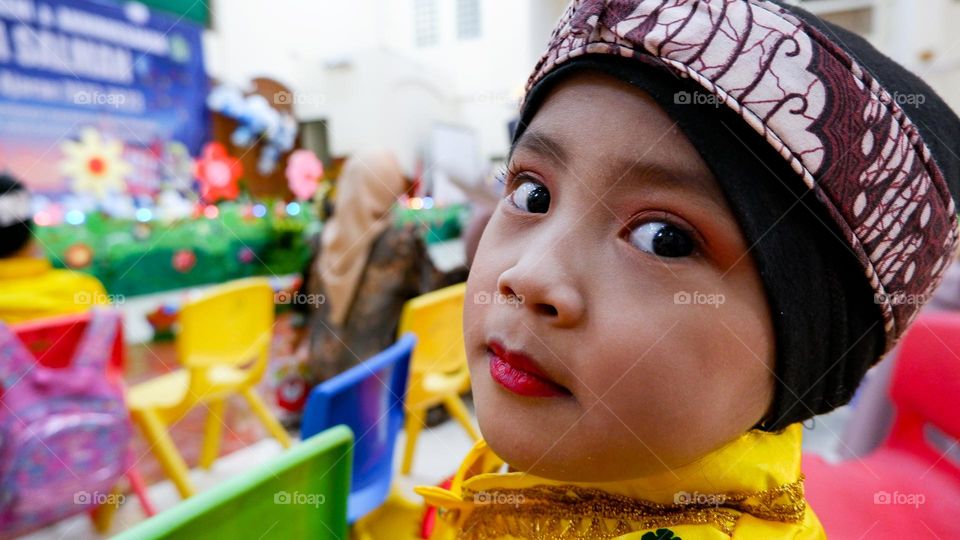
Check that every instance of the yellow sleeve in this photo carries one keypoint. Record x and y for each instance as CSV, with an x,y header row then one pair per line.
x,y
53,293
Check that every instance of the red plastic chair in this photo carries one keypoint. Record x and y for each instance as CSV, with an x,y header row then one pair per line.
x,y
906,488
53,341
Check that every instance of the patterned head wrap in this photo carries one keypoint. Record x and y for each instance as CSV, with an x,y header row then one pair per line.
x,y
837,162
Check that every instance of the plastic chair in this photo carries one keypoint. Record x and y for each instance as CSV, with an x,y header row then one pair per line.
x,y
223,344
906,487
53,342
368,398
438,370
300,494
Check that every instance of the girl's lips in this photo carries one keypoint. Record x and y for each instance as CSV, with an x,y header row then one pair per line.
x,y
520,374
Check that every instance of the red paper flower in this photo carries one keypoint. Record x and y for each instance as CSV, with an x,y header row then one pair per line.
x,y
184,260
218,173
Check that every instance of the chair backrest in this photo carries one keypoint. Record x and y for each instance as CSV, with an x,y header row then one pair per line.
x,y
368,398
437,320
231,324
299,494
54,340
926,380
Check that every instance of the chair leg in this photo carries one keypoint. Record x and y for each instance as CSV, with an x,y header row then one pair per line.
x,y
136,482
263,413
102,516
416,419
359,530
459,411
162,446
211,434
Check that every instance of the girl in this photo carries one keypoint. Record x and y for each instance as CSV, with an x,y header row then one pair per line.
x,y
717,217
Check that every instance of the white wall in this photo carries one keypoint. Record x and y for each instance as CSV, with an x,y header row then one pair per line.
x,y
487,73
355,64
388,91
909,28
334,58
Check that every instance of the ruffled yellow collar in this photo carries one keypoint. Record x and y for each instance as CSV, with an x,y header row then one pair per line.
x,y
757,474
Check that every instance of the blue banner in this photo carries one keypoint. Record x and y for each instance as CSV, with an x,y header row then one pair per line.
x,y
89,87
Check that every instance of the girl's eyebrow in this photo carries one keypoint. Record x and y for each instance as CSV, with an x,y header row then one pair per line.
x,y
630,176
542,144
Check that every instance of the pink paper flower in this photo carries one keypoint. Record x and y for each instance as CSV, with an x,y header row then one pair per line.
x,y
303,173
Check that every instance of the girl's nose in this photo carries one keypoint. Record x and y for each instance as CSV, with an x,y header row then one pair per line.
x,y
551,298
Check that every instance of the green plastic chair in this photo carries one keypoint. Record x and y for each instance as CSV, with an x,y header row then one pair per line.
x,y
300,494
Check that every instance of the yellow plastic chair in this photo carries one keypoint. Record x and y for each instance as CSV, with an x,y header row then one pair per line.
x,y
438,368
223,345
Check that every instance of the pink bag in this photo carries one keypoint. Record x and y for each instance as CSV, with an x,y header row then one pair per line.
x,y
64,433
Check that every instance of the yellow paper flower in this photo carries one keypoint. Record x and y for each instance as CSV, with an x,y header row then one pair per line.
x,y
95,165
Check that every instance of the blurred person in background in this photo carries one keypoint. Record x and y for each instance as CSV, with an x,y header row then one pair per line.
x,y
30,288
363,270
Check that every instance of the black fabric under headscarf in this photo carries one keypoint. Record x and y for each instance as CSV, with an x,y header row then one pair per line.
x,y
14,233
828,328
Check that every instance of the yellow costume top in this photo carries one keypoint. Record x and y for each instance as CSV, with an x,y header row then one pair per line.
x,y
31,289
751,488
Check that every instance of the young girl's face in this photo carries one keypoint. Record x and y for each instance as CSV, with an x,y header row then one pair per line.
x,y
615,322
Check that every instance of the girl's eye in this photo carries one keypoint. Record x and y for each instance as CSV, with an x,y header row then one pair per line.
x,y
530,197
662,239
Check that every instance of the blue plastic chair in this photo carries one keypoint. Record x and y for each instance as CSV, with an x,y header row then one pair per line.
x,y
368,398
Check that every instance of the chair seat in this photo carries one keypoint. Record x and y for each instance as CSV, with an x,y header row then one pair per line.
x,y
167,391
889,494
444,383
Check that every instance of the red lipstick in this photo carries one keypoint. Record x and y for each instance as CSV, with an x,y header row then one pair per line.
x,y
519,373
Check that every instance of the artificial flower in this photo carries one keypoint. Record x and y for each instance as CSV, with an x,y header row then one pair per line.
x,y
303,173
218,173
95,165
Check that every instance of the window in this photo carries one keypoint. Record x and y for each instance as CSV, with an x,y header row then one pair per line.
x,y
468,19
425,23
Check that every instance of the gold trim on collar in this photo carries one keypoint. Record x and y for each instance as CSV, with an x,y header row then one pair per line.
x,y
573,512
